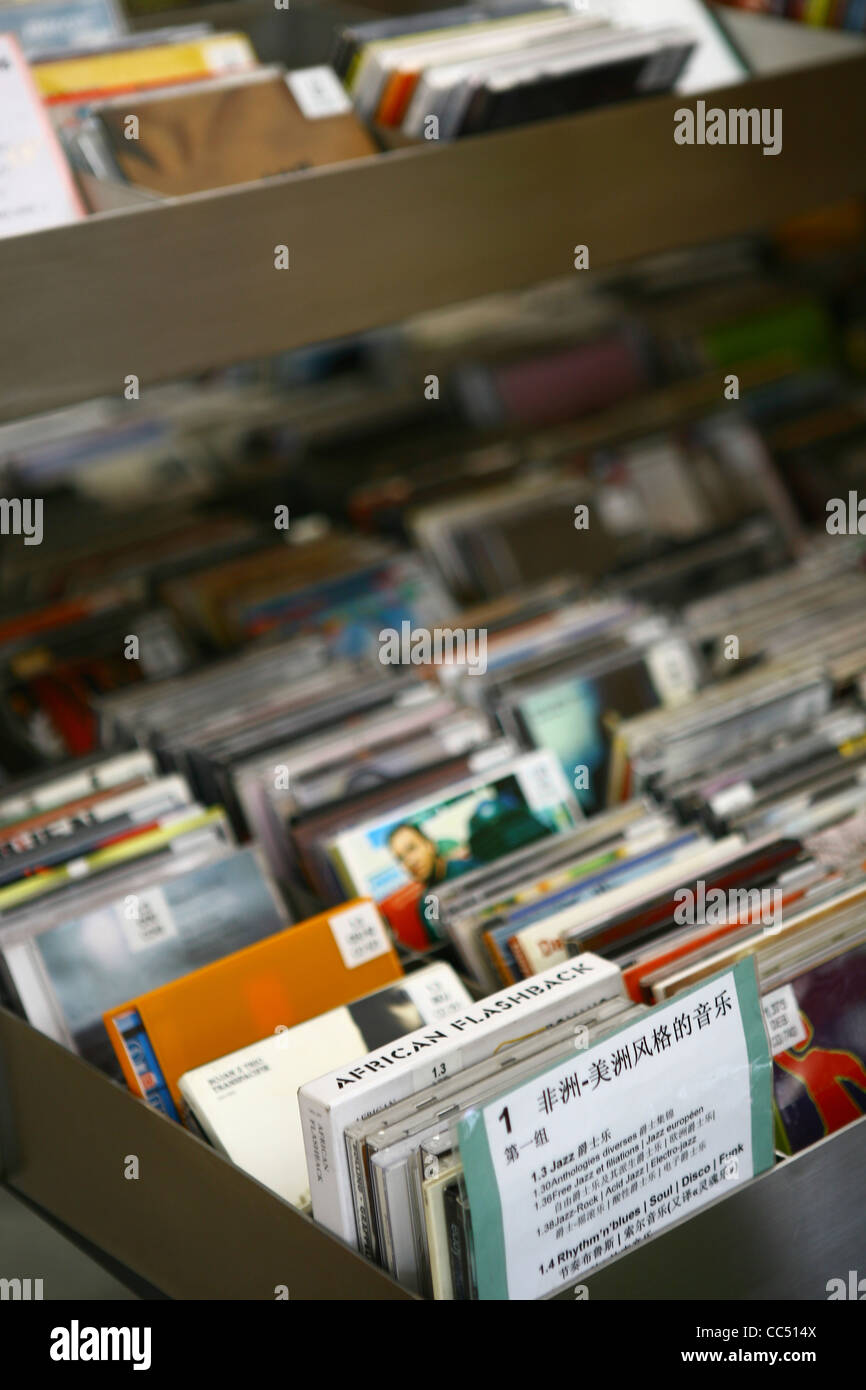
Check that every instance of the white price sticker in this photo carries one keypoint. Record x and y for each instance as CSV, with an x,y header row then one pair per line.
x,y
161,652
621,511
734,798
436,995
783,1018
541,781
318,92
227,55
147,920
457,737
359,934
672,669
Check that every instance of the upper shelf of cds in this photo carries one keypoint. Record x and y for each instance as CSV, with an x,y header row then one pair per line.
x,y
188,284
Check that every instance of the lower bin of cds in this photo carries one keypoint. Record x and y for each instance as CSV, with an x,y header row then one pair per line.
x,y
180,1217
151,1196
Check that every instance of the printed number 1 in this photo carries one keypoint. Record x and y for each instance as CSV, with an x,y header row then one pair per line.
x,y
504,1115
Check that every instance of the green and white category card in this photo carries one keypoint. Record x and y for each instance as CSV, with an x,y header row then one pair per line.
x,y
604,1150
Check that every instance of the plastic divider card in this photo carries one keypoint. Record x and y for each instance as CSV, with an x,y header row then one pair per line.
x,y
568,1170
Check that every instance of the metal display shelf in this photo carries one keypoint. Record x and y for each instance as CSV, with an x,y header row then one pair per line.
x,y
189,284
192,1226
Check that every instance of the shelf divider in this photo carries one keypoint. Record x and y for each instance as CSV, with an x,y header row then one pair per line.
x,y
191,1224
190,284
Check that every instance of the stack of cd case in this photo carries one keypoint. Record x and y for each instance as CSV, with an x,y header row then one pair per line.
x,y
407,1177
454,73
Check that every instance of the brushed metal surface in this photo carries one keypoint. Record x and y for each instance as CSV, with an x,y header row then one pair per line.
x,y
191,283
192,1224
32,1248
